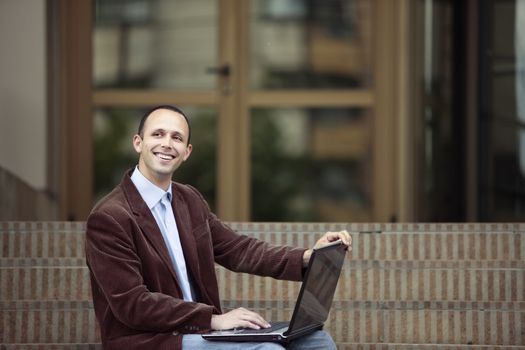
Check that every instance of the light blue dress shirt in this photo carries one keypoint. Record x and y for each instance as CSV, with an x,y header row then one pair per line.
x,y
159,202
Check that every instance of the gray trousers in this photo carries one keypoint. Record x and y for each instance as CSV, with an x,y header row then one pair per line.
x,y
319,340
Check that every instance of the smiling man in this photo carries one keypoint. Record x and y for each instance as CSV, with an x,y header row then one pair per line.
x,y
163,144
151,246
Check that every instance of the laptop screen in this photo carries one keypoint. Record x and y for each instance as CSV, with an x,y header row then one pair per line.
x,y
318,289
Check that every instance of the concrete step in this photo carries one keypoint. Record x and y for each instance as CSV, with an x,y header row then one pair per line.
x,y
395,280
42,239
459,323
68,279
414,322
444,286
52,346
45,283
394,346
48,322
345,346
410,242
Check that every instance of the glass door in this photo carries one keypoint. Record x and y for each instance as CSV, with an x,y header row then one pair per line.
x,y
291,101
501,187
146,53
309,117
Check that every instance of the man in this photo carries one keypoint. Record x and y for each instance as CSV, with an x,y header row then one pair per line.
x,y
151,245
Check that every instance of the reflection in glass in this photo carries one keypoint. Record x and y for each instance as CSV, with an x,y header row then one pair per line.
x,y
440,177
502,179
114,154
520,80
151,44
310,164
310,44
507,181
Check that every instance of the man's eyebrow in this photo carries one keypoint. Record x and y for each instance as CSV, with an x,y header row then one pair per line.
x,y
164,131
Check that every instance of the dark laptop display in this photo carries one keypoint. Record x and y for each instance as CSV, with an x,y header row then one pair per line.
x,y
312,305
318,289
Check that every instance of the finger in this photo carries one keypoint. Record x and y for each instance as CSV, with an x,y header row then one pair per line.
x,y
254,318
346,238
260,321
342,235
248,324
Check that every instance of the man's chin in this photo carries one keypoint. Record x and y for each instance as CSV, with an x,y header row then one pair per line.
x,y
166,171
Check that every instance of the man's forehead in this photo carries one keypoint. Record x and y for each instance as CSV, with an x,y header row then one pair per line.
x,y
165,119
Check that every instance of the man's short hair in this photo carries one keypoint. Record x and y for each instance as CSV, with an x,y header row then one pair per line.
x,y
168,107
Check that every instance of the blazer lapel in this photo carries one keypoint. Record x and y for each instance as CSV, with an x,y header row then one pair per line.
x,y
147,223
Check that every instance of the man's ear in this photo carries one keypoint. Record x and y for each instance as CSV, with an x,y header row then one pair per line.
x,y
189,148
137,143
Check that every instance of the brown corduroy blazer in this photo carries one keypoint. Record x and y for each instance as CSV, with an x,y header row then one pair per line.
x,y
136,295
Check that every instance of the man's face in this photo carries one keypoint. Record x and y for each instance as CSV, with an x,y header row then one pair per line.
x,y
163,146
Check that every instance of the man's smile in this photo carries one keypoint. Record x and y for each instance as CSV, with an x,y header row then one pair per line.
x,y
164,156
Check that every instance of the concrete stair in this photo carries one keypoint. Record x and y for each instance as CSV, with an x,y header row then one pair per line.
x,y
412,286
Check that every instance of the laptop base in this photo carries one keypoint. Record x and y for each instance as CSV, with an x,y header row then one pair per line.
x,y
278,336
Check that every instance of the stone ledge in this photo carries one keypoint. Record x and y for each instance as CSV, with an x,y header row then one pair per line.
x,y
352,264
346,325
444,285
498,281
399,246
52,346
345,305
393,346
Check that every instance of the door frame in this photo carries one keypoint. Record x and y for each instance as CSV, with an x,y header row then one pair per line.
x,y
388,98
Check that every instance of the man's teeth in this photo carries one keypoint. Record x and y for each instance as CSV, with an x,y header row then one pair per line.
x,y
165,156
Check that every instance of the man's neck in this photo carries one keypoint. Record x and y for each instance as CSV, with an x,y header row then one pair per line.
x,y
163,183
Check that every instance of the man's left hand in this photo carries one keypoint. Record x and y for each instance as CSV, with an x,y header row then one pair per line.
x,y
328,237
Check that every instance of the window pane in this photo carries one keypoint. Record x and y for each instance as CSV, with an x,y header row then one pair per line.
x,y
311,164
439,178
502,136
311,44
114,153
151,44
507,181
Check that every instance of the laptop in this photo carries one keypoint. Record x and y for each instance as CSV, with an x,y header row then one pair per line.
x,y
312,305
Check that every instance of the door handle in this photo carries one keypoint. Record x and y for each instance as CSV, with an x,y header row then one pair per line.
x,y
223,70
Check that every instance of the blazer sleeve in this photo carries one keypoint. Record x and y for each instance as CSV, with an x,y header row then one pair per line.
x,y
241,253
117,277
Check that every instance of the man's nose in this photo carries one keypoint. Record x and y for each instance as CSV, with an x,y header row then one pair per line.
x,y
166,141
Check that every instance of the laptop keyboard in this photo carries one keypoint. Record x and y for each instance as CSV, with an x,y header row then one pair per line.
x,y
274,326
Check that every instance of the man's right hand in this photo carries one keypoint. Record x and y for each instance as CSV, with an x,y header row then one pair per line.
x,y
238,318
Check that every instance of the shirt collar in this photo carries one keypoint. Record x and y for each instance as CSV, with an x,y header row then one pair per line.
x,y
150,192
